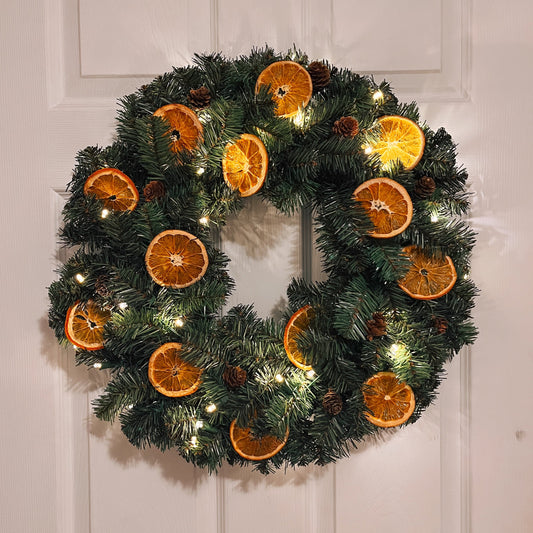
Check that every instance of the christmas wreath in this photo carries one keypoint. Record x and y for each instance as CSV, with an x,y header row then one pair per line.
x,y
144,289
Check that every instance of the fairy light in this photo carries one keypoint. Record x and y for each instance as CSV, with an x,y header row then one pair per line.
x,y
211,408
279,378
123,305
104,213
130,406
200,171
368,150
98,366
378,95
179,322
434,218
310,374
395,349
194,441
80,278
299,119
204,221
199,424
466,276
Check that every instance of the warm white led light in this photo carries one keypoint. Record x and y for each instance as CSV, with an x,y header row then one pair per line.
x,y
299,119
200,171
280,378
97,365
434,218
194,441
310,374
204,221
211,408
394,348
368,150
80,278
378,95
123,305
179,322
104,213
199,424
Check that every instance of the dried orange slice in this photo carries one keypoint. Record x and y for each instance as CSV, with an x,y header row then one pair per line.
x,y
297,323
388,205
185,130
170,374
114,188
254,448
84,325
400,139
390,401
428,277
290,86
176,259
245,164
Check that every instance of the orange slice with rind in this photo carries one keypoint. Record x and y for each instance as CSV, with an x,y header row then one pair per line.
x,y
388,205
401,139
298,323
390,402
245,164
116,190
253,448
170,374
428,277
84,325
289,84
185,129
176,259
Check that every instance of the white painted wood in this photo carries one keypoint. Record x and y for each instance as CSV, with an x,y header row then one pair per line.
x,y
465,467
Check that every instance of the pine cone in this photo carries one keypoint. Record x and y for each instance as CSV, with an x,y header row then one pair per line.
x,y
376,326
101,286
320,75
440,324
234,376
425,187
346,127
199,98
153,191
332,403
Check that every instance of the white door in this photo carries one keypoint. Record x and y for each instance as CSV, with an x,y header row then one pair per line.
x,y
466,466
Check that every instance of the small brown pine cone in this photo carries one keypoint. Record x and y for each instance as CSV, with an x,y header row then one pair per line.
x,y
376,326
320,75
234,376
199,98
101,286
153,191
425,187
332,403
440,324
346,127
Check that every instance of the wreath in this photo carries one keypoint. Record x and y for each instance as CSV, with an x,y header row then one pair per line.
x,y
144,289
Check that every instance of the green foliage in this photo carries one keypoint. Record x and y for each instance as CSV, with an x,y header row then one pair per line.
x,y
312,167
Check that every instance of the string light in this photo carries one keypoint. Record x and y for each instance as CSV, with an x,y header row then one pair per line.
x,y
98,366
200,171
130,406
378,95
299,119
199,424
434,218
179,322
211,408
204,221
310,374
394,349
194,441
80,278
466,276
368,150
123,305
104,213
279,378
